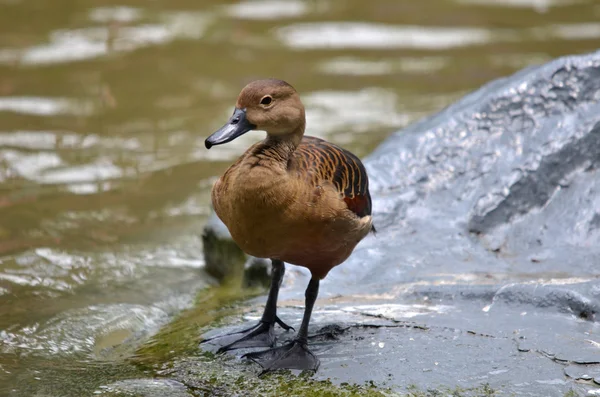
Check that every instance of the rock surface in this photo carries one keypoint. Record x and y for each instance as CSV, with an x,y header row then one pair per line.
x,y
485,266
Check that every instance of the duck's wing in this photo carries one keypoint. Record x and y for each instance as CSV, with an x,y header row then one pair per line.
x,y
324,161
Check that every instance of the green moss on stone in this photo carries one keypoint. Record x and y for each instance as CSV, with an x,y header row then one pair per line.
x,y
485,390
182,335
227,376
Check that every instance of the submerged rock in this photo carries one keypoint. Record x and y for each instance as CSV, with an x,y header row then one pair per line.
x,y
485,266
222,256
225,260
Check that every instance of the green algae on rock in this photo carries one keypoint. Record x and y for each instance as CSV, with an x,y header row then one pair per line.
x,y
182,335
226,376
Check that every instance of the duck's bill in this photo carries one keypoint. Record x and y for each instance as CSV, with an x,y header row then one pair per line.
x,y
237,126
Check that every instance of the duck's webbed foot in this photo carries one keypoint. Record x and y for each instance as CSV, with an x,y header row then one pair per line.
x,y
259,335
293,355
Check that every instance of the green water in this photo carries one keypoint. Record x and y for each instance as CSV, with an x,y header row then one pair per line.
x,y
104,106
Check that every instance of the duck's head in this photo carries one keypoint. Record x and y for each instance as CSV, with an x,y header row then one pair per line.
x,y
269,105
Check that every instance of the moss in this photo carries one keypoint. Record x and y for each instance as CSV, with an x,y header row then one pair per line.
x,y
571,393
227,376
485,390
182,335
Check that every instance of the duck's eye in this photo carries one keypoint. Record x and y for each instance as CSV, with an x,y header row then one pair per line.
x,y
266,100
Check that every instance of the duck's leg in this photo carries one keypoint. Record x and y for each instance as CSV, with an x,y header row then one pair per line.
x,y
261,334
293,355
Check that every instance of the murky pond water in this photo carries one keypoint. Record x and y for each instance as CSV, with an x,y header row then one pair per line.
x,y
104,105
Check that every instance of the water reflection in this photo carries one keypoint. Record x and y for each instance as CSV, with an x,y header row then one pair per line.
x,y
104,179
44,106
538,5
358,67
267,9
68,45
342,114
120,14
362,35
578,31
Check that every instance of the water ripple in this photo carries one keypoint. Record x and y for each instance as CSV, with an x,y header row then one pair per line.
x,y
39,106
369,35
267,9
67,45
538,5
357,111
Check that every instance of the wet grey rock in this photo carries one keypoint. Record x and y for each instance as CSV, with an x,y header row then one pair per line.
x,y
585,373
485,266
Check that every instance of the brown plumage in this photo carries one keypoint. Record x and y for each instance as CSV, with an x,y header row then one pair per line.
x,y
320,161
290,197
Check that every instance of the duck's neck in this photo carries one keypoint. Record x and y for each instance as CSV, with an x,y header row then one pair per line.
x,y
283,146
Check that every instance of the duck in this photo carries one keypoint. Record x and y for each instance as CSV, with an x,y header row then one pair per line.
x,y
290,198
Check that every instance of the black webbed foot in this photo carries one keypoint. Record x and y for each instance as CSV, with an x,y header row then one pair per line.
x,y
293,355
259,335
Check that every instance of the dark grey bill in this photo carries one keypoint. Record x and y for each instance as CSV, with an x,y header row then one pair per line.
x,y
237,126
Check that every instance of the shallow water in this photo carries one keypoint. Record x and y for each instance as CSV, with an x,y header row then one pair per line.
x,y
104,106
